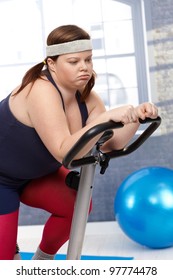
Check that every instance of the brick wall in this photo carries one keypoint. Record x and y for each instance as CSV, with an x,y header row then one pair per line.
x,y
162,32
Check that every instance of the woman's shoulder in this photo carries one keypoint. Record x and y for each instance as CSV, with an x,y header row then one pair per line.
x,y
42,81
95,99
95,105
42,87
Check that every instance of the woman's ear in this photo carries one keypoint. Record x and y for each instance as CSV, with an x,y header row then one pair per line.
x,y
51,64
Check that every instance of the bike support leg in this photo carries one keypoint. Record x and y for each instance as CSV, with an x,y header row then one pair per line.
x,y
81,212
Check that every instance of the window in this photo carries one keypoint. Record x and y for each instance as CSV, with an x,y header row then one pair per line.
x,y
116,28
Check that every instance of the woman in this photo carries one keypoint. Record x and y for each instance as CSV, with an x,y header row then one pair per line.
x,y
39,122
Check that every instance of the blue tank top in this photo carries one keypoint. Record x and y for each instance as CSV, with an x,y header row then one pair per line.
x,y
23,155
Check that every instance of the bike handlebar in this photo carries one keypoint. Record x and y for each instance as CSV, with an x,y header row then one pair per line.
x,y
68,161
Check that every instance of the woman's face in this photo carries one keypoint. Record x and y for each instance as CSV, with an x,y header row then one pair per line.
x,y
74,70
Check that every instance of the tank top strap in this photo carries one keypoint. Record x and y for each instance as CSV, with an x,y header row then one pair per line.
x,y
82,108
48,75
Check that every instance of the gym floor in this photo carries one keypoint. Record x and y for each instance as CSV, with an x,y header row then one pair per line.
x,y
101,239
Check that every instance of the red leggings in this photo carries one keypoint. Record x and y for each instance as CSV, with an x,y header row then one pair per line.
x,y
51,194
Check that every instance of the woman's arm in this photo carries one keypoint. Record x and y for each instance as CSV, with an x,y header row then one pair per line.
x,y
47,116
123,135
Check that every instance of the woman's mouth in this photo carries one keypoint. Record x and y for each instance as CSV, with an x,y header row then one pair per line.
x,y
84,77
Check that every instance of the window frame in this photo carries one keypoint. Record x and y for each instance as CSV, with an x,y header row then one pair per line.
x,y
141,49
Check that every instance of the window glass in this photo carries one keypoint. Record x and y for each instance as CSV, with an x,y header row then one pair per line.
x,y
118,36
21,35
115,10
10,78
110,23
116,80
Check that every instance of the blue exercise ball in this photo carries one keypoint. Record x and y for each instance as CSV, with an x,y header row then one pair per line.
x,y
143,207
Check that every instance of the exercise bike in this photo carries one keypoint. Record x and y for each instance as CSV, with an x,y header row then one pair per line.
x,y
87,167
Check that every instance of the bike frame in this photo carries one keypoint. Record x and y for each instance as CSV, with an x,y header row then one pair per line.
x,y
87,171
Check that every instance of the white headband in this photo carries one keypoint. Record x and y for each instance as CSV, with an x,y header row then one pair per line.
x,y
69,47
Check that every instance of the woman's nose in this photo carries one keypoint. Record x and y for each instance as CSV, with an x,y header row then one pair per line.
x,y
83,66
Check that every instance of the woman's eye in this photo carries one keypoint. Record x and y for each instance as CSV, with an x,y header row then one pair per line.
x,y
73,62
89,60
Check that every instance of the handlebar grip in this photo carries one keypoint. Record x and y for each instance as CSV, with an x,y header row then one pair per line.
x,y
140,140
149,120
68,161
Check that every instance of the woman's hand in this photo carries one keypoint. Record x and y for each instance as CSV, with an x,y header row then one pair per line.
x,y
125,114
129,114
146,110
